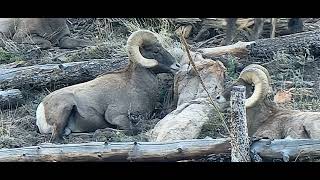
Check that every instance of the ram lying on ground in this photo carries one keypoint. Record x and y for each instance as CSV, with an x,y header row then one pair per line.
x,y
44,32
265,119
108,100
193,106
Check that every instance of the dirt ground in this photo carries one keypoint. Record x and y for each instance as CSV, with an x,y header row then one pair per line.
x,y
18,125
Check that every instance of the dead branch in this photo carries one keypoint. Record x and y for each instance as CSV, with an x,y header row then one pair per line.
x,y
238,49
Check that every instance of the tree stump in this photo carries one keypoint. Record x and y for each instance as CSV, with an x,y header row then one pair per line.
x,y
240,146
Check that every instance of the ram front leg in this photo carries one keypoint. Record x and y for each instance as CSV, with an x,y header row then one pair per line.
x,y
119,118
71,43
32,39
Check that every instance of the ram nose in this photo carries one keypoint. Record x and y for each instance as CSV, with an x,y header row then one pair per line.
x,y
223,105
175,67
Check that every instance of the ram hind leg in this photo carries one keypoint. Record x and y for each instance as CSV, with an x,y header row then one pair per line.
x,y
60,119
267,132
121,120
312,129
70,43
34,40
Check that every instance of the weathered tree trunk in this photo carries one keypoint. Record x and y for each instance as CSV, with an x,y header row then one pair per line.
x,y
67,73
124,151
294,44
264,49
288,149
10,98
240,145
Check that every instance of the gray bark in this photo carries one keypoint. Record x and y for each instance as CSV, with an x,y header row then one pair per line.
x,y
264,49
240,145
118,151
267,150
288,149
294,44
10,98
67,73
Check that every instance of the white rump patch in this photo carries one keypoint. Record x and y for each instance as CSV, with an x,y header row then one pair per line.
x,y
42,124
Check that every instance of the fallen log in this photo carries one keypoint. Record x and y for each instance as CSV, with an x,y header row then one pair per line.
x,y
10,98
294,44
288,149
276,150
117,151
263,50
67,73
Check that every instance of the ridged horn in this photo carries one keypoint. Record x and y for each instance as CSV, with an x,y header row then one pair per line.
x,y
261,68
135,40
261,84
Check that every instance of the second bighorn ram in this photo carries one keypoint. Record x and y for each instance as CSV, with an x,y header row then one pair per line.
x,y
107,100
44,32
264,117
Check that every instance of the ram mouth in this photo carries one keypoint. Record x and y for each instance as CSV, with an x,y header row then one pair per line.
x,y
175,67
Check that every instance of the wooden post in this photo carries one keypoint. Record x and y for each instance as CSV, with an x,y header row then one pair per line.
x,y
240,147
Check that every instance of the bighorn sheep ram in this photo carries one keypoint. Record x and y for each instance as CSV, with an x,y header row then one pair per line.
x,y
265,119
108,99
44,32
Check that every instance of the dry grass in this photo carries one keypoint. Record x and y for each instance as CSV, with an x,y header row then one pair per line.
x,y
301,72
